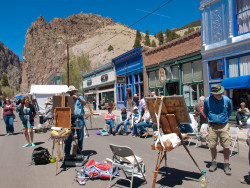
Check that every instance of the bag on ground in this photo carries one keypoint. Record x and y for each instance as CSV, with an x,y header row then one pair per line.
x,y
40,156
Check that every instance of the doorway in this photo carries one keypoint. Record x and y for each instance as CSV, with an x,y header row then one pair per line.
x,y
173,88
129,98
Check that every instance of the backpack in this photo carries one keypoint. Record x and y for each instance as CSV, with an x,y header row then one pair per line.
x,y
40,156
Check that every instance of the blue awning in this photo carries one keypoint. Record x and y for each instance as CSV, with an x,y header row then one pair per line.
x,y
236,82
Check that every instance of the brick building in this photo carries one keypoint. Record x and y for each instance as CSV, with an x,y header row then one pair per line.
x,y
181,62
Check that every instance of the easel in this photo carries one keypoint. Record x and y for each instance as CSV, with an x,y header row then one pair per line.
x,y
171,111
90,115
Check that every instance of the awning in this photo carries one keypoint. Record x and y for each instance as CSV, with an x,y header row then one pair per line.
x,y
236,82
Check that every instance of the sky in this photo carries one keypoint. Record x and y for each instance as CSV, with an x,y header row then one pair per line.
x,y
16,16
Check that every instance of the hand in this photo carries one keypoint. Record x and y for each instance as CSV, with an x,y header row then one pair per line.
x,y
74,96
122,122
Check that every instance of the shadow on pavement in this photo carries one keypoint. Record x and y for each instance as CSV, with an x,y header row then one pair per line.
x,y
219,165
173,176
39,143
137,182
89,152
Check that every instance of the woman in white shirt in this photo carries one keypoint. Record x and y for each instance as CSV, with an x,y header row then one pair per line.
x,y
146,122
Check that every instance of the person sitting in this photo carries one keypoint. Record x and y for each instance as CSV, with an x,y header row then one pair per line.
x,y
189,128
110,120
242,113
101,104
136,118
124,117
146,122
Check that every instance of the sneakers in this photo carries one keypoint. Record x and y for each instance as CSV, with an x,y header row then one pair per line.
x,y
213,166
33,144
227,169
26,145
145,134
245,181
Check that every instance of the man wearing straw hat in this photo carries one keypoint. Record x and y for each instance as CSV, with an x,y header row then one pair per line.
x,y
218,109
76,118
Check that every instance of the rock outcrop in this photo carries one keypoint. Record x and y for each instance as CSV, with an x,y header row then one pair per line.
x,y
11,65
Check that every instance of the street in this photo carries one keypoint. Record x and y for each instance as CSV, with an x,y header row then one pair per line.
x,y
16,170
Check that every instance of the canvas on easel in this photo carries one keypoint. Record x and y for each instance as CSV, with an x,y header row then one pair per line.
x,y
69,102
167,112
63,117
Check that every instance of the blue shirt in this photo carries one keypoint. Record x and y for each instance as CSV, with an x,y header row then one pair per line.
x,y
217,111
79,109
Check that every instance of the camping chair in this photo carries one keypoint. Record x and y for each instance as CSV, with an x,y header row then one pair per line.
x,y
124,157
203,136
234,132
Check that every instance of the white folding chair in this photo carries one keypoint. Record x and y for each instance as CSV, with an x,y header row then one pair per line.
x,y
234,132
124,157
204,132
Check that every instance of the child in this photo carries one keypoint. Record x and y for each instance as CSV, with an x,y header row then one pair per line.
x,y
110,120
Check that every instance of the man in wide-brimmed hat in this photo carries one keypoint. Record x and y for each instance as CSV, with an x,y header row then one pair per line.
x,y
135,101
76,118
218,109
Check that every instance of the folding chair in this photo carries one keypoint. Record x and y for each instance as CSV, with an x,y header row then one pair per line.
x,y
106,126
124,157
204,132
234,132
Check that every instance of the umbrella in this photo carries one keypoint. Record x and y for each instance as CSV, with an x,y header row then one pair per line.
x,y
19,96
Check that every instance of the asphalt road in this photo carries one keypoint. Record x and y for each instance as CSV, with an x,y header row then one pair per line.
x,y
16,171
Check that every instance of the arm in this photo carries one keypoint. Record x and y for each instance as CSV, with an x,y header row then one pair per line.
x,y
139,119
230,108
106,116
205,108
127,117
81,99
2,114
132,121
121,117
113,116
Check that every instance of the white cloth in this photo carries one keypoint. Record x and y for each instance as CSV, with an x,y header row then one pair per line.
x,y
174,139
147,118
194,123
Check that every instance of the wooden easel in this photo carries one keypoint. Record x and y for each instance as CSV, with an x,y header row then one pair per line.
x,y
90,115
170,111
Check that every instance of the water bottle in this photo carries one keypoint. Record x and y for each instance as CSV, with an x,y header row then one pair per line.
x,y
203,179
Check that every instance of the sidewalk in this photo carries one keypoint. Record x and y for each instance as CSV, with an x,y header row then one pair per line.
x,y
242,133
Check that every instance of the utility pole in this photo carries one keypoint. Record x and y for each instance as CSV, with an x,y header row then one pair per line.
x,y
68,63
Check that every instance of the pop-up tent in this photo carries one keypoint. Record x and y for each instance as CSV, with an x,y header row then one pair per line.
x,y
42,92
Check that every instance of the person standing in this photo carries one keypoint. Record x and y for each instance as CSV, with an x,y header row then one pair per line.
x,y
198,111
76,118
8,116
218,109
142,105
27,114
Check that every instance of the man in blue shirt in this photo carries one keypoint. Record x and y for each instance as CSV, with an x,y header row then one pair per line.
x,y
218,109
77,120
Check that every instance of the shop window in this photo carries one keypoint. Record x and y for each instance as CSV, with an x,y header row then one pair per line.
x,y
175,72
120,92
214,74
197,71
193,96
136,78
242,15
201,90
168,73
233,68
187,72
140,77
152,82
245,65
186,93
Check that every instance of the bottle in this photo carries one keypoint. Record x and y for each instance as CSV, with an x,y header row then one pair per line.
x,y
203,179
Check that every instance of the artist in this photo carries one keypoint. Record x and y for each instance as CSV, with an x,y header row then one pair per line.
x,y
77,120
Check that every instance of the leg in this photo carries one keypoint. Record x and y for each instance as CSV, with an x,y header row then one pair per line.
x,y
213,153
226,152
126,123
6,121
80,136
25,131
118,126
11,127
68,142
31,134
109,123
212,140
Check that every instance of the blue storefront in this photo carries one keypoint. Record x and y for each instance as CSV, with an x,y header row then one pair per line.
x,y
129,65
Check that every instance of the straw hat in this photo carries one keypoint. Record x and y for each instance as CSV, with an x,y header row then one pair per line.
x,y
217,89
135,95
72,88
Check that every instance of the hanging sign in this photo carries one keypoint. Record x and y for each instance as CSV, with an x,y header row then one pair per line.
x,y
121,80
104,78
162,75
220,65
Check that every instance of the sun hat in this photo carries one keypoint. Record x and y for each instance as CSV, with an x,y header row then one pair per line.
x,y
72,88
217,89
49,102
135,108
135,95
123,108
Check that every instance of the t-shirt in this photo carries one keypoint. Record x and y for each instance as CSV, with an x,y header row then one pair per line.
x,y
79,110
8,111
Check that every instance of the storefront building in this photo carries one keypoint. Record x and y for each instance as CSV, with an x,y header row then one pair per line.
x,y
99,84
175,68
226,47
130,66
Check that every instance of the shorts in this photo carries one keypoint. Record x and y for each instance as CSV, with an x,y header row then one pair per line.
x,y
28,125
218,131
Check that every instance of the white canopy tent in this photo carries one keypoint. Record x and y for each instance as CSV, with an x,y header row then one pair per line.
x,y
42,92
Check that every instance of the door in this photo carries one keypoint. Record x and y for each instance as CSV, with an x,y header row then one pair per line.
x,y
173,88
129,98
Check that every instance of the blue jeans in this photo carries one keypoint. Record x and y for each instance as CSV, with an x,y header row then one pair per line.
x,y
125,126
100,106
94,106
186,128
8,120
80,136
111,123
142,127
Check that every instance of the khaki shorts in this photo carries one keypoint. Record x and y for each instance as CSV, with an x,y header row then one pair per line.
x,y
218,131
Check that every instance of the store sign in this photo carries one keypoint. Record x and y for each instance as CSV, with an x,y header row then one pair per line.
x,y
162,75
121,80
89,82
104,78
220,65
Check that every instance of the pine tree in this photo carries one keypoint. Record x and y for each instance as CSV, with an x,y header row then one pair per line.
x,y
5,80
160,37
137,39
147,39
155,35
153,44
170,35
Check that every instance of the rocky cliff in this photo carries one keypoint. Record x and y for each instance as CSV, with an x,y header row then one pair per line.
x,y
45,44
11,65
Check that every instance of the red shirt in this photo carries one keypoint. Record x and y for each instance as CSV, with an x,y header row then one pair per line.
x,y
8,111
109,116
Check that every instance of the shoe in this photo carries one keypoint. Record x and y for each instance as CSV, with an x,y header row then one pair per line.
x,y
244,181
114,133
8,134
127,134
145,134
33,144
26,145
227,169
213,166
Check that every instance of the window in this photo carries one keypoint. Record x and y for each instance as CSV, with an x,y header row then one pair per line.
x,y
245,65
187,72
214,74
192,93
233,70
152,82
239,66
243,15
120,92
197,71
175,72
